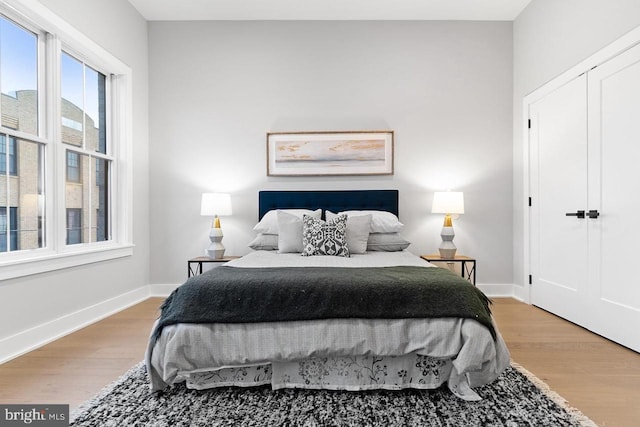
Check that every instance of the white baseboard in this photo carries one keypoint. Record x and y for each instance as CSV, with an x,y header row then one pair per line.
x,y
521,293
26,341
497,291
158,290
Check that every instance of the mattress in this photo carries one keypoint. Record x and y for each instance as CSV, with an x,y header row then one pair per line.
x,y
345,354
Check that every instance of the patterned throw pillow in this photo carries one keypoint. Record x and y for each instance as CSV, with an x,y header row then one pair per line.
x,y
324,238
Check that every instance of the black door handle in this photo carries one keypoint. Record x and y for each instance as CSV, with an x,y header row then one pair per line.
x,y
579,214
593,214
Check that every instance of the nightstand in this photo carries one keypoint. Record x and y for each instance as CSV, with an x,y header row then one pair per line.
x,y
467,265
194,265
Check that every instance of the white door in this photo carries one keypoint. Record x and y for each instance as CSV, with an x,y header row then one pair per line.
x,y
614,190
558,181
585,156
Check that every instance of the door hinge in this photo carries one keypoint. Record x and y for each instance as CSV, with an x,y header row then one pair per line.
x,y
529,124
529,201
530,279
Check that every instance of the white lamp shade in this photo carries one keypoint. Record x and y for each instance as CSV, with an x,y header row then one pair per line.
x,y
448,202
215,204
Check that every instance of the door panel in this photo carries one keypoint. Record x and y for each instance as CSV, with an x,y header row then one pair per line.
x,y
614,189
558,156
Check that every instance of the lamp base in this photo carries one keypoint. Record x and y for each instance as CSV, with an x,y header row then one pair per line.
x,y
447,249
216,248
216,251
447,253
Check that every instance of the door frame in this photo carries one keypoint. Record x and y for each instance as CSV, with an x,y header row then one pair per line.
x,y
627,41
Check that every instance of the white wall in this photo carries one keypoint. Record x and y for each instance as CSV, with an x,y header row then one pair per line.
x,y
549,37
217,88
33,301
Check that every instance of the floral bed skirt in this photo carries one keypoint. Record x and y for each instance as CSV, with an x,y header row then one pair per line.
x,y
342,373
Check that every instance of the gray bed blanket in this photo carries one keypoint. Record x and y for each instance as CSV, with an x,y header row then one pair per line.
x,y
241,295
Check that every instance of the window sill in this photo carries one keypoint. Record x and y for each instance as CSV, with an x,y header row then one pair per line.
x,y
49,261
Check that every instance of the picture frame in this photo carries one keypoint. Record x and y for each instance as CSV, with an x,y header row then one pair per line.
x,y
328,153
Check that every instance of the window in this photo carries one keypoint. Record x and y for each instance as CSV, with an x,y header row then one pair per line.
x,y
101,194
8,158
20,157
73,151
8,229
83,96
73,166
74,226
83,101
19,77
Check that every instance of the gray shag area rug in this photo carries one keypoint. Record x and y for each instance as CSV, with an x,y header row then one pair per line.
x,y
516,398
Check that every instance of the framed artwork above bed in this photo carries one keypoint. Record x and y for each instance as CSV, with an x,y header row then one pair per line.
x,y
330,153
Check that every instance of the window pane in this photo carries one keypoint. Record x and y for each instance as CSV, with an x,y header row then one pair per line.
x,y
95,107
12,160
72,103
3,229
87,199
84,112
18,77
22,193
4,185
13,228
77,197
8,155
30,195
74,226
101,204
73,166
8,224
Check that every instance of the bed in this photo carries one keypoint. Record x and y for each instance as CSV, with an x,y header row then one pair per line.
x,y
377,317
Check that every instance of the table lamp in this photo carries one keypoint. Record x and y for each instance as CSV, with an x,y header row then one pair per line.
x,y
215,204
448,203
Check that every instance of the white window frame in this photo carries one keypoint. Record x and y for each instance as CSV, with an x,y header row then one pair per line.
x,y
57,35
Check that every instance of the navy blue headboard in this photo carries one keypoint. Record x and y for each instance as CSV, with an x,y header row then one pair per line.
x,y
335,201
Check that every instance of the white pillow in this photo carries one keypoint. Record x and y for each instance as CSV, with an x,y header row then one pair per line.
x,y
357,235
264,242
289,233
381,221
387,242
269,222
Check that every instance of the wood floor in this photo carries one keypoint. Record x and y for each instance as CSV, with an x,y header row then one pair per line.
x,y
600,378
74,368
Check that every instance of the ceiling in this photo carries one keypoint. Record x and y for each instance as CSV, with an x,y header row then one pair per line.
x,y
193,10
